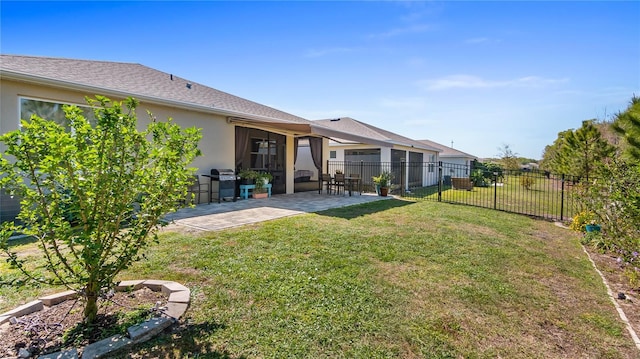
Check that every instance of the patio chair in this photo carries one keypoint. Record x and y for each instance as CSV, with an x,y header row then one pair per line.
x,y
325,178
339,182
196,187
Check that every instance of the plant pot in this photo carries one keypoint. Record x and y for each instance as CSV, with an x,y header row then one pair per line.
x,y
247,181
260,195
592,228
384,191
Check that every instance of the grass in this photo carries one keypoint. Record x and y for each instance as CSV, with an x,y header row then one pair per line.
x,y
381,280
542,199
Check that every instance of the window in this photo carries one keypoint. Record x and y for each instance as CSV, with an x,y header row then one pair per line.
x,y
332,154
263,153
365,155
51,111
432,163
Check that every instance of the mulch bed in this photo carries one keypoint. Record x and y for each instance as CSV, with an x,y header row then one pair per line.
x,y
42,332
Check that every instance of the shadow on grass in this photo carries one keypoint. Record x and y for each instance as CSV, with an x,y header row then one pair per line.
x,y
184,341
364,209
18,239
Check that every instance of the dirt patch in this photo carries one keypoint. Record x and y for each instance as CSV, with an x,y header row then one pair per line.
x,y
44,331
626,296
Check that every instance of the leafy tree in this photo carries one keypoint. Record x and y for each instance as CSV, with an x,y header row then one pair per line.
x,y
93,196
615,200
508,158
627,124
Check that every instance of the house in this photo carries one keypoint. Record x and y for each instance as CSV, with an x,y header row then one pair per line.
x,y
455,163
237,133
412,163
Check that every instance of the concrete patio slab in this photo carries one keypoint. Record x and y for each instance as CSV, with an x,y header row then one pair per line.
x,y
218,216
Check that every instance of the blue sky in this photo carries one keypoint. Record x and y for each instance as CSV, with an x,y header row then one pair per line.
x,y
480,74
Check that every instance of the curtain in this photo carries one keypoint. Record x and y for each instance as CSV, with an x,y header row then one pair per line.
x,y
316,152
242,144
295,150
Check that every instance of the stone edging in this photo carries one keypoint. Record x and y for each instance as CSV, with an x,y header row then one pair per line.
x,y
619,309
179,298
623,316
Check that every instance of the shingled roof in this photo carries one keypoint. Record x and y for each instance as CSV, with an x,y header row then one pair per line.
x,y
130,79
447,151
349,125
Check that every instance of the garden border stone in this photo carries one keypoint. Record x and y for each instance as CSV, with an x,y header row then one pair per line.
x,y
177,304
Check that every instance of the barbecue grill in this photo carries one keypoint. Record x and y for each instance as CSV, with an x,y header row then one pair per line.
x,y
223,182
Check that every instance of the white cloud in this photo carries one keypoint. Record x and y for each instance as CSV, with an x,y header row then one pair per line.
x,y
471,82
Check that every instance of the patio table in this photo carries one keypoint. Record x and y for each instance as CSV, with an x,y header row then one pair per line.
x,y
353,181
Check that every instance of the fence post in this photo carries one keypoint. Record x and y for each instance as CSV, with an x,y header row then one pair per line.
x,y
403,170
439,181
562,200
495,190
361,183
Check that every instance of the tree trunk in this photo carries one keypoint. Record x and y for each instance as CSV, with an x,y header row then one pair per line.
x,y
91,307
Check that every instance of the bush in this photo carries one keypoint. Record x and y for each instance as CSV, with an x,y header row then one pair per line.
x,y
94,196
527,181
581,220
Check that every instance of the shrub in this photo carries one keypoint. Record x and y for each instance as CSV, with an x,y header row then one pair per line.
x,y
93,196
527,181
581,219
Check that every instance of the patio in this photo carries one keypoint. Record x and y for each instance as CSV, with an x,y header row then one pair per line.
x,y
218,216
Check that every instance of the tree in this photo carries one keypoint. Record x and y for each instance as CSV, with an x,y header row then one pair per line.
x,y
585,149
627,125
93,196
552,159
577,152
508,158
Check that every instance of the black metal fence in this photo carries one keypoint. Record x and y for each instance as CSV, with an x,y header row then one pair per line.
x,y
530,192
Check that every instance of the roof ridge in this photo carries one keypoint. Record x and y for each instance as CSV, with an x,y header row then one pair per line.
x,y
72,59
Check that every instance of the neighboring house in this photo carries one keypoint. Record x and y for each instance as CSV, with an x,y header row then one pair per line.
x,y
237,133
390,150
531,166
455,163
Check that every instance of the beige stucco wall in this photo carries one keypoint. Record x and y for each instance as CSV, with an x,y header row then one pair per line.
x,y
218,136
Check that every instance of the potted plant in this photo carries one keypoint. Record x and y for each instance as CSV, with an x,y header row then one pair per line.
x,y
585,221
261,182
382,182
247,176
592,227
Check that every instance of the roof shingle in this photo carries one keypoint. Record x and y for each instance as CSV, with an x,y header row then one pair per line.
x,y
137,80
349,125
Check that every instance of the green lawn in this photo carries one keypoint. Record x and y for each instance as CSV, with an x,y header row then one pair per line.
x,y
542,199
389,279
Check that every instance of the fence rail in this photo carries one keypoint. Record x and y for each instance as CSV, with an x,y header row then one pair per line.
x,y
530,192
